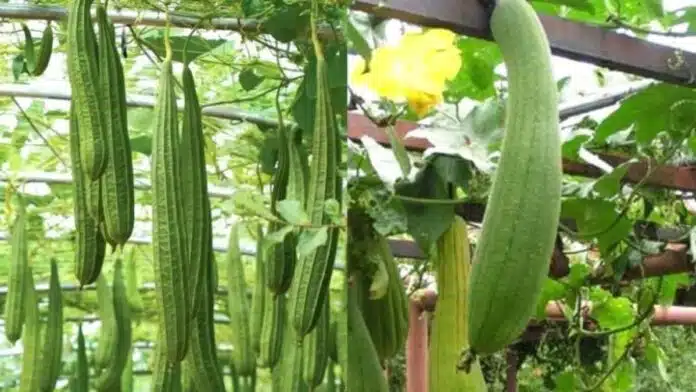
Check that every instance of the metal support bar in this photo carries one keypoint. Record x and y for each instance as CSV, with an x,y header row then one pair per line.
x,y
64,94
146,18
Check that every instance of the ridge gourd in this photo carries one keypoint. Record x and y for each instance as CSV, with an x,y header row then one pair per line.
x,y
521,219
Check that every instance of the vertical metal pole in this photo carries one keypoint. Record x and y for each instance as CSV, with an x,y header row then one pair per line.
x,y
417,349
511,381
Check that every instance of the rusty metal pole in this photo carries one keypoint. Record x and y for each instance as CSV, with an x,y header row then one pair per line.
x,y
511,373
417,349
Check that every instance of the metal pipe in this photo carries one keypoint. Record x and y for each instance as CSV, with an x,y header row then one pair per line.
x,y
63,93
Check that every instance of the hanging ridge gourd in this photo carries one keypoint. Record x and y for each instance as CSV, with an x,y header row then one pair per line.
x,y
110,377
45,51
53,338
16,282
448,331
106,344
201,359
83,73
282,257
80,381
521,218
312,275
243,358
194,188
36,66
30,375
117,187
90,246
169,232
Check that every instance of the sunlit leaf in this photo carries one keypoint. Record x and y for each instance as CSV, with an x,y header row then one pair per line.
x,y
293,212
311,239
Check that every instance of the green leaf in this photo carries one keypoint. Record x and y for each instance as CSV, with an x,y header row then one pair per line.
x,y
287,22
688,17
196,47
646,112
562,83
426,222
266,69
571,146
310,240
142,144
399,150
269,153
623,377
253,8
597,219
609,184
615,313
293,212
581,5
249,79
452,169
577,275
476,75
567,381
656,357
305,97
691,142
550,291
18,66
670,284
599,296
250,202
276,237
682,118
332,208
357,41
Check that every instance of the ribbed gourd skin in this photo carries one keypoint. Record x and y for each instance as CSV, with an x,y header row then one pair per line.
x,y
169,235
449,328
521,219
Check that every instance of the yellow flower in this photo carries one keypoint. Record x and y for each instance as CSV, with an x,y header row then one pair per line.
x,y
421,102
416,69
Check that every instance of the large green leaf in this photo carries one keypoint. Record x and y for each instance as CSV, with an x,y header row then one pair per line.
x,y
649,112
196,47
597,219
475,78
426,222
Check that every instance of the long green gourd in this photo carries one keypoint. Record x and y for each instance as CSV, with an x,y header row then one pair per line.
x,y
259,297
90,245
45,51
29,377
106,344
521,219
53,337
169,234
117,187
449,327
282,258
83,73
310,282
201,359
19,264
243,357
195,189
110,378
81,380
